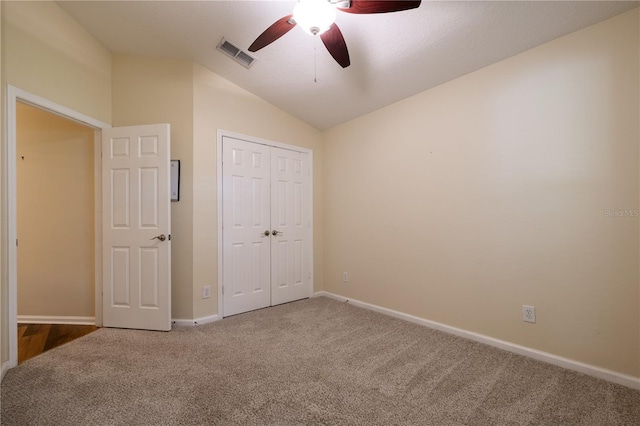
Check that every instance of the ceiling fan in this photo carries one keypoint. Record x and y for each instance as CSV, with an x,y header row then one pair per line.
x,y
317,17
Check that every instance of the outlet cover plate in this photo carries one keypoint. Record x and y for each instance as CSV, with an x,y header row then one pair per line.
x,y
206,291
529,313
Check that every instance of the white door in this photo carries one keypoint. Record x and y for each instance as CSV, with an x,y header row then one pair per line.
x,y
291,225
266,225
136,227
246,229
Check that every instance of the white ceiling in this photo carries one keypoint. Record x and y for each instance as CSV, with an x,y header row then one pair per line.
x,y
393,55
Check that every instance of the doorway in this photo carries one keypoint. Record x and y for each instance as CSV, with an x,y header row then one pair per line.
x,y
14,97
55,219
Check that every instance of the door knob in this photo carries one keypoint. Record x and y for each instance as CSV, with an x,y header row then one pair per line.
x,y
160,237
276,233
265,233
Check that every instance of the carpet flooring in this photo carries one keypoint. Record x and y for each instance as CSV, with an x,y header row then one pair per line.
x,y
312,362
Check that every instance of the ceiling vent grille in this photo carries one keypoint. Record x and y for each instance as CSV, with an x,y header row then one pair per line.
x,y
237,54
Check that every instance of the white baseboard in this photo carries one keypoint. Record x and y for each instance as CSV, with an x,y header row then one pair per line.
x,y
47,319
591,370
197,321
5,368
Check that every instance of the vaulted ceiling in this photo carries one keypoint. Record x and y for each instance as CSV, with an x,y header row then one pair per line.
x,y
393,55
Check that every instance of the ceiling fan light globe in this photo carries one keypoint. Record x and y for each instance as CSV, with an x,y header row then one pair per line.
x,y
314,16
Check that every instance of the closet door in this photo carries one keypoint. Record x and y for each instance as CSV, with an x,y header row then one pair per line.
x,y
291,226
246,226
266,226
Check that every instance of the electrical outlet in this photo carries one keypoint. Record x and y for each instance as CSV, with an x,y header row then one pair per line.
x,y
206,291
345,277
529,313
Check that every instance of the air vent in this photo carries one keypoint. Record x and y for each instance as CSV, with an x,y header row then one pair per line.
x,y
231,50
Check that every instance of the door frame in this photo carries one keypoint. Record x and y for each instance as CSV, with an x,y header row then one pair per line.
x,y
222,133
14,95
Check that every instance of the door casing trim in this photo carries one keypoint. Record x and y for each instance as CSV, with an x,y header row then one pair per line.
x,y
14,95
222,133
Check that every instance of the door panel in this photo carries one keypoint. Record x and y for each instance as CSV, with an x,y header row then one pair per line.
x,y
119,288
290,207
245,218
136,210
149,264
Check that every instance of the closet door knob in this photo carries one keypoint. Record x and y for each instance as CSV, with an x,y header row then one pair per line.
x,y
276,233
265,233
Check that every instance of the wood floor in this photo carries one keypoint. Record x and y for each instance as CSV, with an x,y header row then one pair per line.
x,y
34,339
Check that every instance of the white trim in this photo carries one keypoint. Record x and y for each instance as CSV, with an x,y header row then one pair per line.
x,y
311,224
5,368
49,319
219,226
591,370
97,192
14,95
261,141
222,133
54,108
195,322
12,231
183,323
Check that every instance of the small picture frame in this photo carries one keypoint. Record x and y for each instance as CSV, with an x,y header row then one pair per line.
x,y
175,180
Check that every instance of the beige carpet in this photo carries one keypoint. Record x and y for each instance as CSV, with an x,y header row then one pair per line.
x,y
313,362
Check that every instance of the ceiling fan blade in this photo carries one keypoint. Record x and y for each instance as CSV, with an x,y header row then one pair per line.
x,y
380,6
335,44
274,32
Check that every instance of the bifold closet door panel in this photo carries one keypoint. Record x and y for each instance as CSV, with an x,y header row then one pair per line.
x,y
290,224
246,226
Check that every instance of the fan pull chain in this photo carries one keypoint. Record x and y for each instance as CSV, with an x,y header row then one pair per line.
x,y
315,65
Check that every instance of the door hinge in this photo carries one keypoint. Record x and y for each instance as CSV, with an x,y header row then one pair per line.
x,y
223,290
16,242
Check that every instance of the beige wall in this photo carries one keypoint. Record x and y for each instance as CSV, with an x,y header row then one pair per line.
x,y
55,194
219,104
156,90
47,53
465,202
